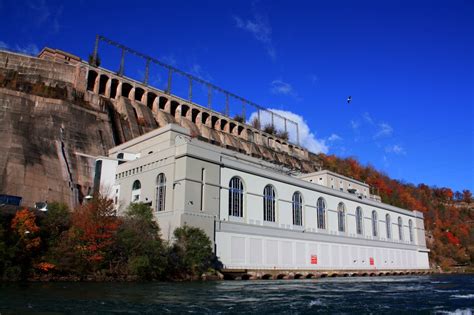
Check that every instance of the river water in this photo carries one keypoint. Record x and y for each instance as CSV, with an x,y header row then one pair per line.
x,y
435,294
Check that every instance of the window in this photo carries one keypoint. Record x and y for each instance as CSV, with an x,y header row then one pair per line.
x,y
341,217
236,197
359,220
136,189
203,183
374,224
400,228
297,209
388,226
120,158
321,213
269,203
160,192
410,230
97,175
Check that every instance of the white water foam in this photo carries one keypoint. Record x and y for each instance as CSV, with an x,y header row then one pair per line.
x,y
463,296
315,302
466,311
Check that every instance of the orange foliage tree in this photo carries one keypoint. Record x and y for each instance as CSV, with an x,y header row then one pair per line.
x,y
24,225
93,230
450,224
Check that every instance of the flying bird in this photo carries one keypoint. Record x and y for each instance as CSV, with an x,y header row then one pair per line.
x,y
349,99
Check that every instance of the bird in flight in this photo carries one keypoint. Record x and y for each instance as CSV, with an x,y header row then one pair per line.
x,y
349,99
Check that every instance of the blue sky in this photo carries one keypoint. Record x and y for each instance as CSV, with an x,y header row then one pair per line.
x,y
408,65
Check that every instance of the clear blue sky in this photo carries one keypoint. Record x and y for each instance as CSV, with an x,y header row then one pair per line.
x,y
408,65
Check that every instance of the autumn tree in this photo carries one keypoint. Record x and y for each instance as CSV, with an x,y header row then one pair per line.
x,y
467,196
28,242
87,244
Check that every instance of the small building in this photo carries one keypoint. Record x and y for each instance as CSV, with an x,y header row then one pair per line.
x,y
341,183
257,215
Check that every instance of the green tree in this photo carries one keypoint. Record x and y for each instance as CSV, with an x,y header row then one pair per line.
x,y
57,221
139,246
191,253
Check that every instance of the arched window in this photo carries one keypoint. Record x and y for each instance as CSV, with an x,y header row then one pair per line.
x,y
136,189
160,192
375,224
388,226
297,209
410,230
321,213
269,203
400,228
341,217
236,197
359,220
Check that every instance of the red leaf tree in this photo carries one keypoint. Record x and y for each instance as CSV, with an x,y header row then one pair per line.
x,y
93,229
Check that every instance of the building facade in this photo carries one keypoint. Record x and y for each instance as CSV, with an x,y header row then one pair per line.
x,y
259,215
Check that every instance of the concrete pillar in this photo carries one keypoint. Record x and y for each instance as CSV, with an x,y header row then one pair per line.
x,y
168,106
156,105
131,95
144,97
177,114
199,119
119,90
108,85
97,84
189,114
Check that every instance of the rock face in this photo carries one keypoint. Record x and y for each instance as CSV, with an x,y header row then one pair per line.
x,y
57,113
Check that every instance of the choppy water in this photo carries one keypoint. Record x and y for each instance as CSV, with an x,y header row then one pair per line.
x,y
401,294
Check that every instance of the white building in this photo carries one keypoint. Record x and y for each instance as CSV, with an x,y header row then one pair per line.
x,y
258,216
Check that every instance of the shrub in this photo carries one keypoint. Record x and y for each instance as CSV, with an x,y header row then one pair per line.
x,y
91,61
256,123
57,220
191,253
239,118
139,245
283,135
270,128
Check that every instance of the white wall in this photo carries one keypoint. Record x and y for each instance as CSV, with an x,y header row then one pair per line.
x,y
241,251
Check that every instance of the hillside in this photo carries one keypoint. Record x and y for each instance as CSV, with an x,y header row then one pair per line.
x,y
449,215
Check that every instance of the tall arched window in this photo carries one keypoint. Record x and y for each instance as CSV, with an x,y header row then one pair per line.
x,y
269,203
375,224
321,213
136,189
388,226
341,217
297,208
359,220
160,192
400,228
410,230
236,197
